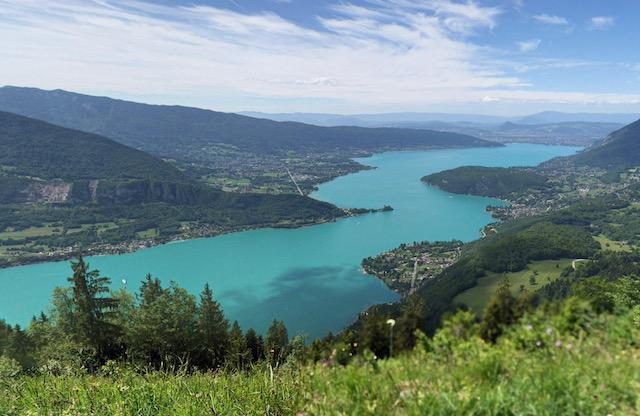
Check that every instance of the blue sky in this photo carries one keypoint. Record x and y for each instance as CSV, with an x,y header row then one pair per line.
x,y
485,56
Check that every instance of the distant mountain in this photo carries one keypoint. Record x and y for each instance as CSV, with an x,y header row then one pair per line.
x,y
182,132
445,120
575,133
619,150
379,120
548,117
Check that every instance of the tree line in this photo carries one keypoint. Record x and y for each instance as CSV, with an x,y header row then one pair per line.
x,y
157,328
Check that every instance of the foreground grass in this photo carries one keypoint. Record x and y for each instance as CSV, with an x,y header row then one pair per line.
x,y
537,369
154,394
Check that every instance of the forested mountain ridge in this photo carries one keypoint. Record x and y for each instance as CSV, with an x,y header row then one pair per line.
x,y
227,151
37,149
620,150
161,128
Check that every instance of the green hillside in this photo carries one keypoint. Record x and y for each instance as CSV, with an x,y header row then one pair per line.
x,y
61,189
493,182
621,150
34,148
178,131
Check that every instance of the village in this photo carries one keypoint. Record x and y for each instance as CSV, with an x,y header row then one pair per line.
x,y
405,268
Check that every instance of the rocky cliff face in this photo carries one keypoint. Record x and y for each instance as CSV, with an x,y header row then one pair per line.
x,y
25,190
22,190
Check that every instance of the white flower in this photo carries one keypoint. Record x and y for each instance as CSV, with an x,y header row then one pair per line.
x,y
391,322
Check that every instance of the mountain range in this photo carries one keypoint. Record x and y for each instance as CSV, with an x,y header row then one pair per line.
x,y
415,118
187,133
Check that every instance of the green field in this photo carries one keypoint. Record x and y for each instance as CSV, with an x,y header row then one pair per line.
x,y
29,232
477,297
608,244
150,233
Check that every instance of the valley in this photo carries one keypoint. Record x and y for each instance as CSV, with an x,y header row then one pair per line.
x,y
262,269
310,208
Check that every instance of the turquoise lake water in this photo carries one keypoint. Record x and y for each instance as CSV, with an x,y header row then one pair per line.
x,y
309,277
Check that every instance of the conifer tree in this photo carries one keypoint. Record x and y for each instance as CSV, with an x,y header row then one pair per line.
x,y
255,345
503,310
375,335
213,330
277,342
91,309
237,352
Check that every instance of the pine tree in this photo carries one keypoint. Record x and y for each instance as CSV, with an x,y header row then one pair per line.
x,y
213,331
237,352
277,342
91,311
255,345
20,347
503,310
150,290
375,335
411,320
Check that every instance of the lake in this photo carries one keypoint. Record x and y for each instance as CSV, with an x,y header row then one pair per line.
x,y
309,277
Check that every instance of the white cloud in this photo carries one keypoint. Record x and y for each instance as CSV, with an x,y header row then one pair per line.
x,y
518,4
381,54
529,45
392,51
551,19
601,22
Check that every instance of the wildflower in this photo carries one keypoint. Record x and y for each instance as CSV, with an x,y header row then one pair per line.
x,y
529,327
558,343
549,331
391,322
538,344
569,346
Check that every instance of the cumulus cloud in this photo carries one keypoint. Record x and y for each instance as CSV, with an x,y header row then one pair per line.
x,y
601,22
551,19
377,54
529,45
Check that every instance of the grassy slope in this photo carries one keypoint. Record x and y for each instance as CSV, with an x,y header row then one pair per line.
x,y
478,296
538,369
609,244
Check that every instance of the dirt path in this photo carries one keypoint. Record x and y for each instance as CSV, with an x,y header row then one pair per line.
x,y
573,263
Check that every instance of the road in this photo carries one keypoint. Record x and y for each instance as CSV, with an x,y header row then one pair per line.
x,y
294,182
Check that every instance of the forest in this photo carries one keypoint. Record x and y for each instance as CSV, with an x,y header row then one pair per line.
x,y
483,181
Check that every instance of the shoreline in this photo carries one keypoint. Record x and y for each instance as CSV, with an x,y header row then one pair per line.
x,y
127,247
